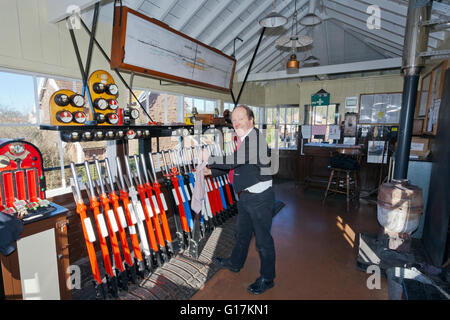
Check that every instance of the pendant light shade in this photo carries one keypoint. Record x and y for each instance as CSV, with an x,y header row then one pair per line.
x,y
311,18
293,64
311,60
273,19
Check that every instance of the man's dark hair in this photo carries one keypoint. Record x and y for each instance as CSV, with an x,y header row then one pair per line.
x,y
250,114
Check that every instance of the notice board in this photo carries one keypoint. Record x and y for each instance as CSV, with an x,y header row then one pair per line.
x,y
148,46
380,108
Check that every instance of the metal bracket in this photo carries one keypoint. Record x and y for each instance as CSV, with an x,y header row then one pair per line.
x,y
437,54
116,71
85,71
249,68
234,46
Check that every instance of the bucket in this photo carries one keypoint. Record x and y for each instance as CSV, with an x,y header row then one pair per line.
x,y
399,206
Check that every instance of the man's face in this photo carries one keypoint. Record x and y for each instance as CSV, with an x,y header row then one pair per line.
x,y
241,123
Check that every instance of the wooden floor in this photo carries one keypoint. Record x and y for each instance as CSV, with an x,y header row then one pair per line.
x,y
316,250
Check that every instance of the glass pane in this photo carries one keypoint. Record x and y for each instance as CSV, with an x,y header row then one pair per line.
x,y
256,113
17,99
281,137
156,102
291,136
172,108
320,115
188,104
200,105
210,106
269,115
227,106
331,113
282,115
270,136
295,116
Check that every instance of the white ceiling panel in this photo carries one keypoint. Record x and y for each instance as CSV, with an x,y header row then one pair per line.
x,y
343,38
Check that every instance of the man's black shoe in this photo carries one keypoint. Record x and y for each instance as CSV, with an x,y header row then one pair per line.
x,y
260,286
225,263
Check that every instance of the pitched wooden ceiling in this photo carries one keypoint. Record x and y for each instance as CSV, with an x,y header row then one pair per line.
x,y
343,38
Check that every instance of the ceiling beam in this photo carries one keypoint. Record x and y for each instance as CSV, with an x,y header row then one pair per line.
x,y
374,44
218,31
245,49
363,16
168,6
330,69
390,5
252,18
206,21
371,36
361,25
392,22
395,18
134,4
187,16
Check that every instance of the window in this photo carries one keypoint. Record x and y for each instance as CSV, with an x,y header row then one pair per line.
x,y
288,126
256,111
24,105
24,101
163,108
228,106
323,115
282,126
202,105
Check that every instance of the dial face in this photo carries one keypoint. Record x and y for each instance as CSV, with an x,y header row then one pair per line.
x,y
134,114
99,87
112,89
113,118
101,103
17,149
77,100
100,117
62,100
79,117
113,104
131,134
64,116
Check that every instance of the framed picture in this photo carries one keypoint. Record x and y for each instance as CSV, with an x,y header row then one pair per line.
x,y
351,102
423,96
380,108
434,99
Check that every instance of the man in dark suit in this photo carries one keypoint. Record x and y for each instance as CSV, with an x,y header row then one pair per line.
x,y
249,171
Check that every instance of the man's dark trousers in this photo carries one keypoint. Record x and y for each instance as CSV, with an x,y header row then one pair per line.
x,y
255,216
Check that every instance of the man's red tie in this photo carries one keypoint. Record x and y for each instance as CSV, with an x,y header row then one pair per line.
x,y
231,172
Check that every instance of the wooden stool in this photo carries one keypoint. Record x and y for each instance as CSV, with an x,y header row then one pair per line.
x,y
344,181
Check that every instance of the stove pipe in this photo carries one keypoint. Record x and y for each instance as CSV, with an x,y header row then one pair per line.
x,y
416,42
